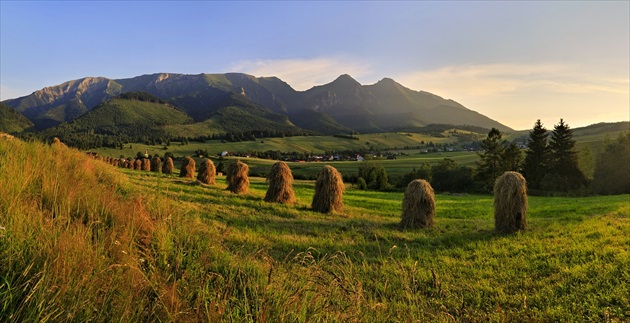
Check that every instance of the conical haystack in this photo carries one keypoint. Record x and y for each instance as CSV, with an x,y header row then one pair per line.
x,y
207,172
168,166
418,206
188,168
57,143
146,164
329,189
236,176
137,164
280,181
156,164
510,203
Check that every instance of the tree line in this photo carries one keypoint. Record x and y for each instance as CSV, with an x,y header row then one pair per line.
x,y
549,164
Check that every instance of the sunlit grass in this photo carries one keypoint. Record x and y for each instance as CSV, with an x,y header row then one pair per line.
x,y
82,241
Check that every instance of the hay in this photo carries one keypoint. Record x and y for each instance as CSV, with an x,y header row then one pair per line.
x,y
418,206
146,164
129,164
57,143
280,181
137,164
207,172
510,203
156,164
329,189
188,168
168,166
236,176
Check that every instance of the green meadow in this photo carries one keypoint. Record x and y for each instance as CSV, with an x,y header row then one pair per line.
x,y
83,241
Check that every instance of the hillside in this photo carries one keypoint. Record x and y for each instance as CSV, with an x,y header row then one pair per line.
x,y
12,121
340,105
126,115
98,243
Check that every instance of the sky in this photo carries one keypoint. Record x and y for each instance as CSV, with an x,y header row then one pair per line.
x,y
513,61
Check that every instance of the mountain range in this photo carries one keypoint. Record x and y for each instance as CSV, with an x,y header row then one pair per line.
x,y
208,103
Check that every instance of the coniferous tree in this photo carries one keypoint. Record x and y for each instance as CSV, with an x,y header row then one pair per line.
x,y
612,167
511,158
536,156
564,174
490,166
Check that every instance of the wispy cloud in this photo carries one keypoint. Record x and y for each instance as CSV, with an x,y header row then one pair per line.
x,y
303,74
518,94
497,79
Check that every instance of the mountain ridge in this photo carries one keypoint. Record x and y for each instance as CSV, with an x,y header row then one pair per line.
x,y
382,106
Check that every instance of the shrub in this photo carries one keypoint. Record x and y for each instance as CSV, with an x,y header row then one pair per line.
x,y
361,184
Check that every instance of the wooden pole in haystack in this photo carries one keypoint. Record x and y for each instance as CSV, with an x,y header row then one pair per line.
x,y
329,189
236,176
168,166
280,181
207,172
188,168
418,206
510,203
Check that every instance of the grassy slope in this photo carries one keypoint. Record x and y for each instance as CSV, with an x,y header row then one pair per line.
x,y
83,241
121,113
12,121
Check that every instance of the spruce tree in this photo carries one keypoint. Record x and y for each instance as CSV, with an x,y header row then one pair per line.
x,y
536,156
511,158
612,167
564,174
490,166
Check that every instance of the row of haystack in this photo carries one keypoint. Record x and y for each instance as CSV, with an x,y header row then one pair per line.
x,y
510,204
418,206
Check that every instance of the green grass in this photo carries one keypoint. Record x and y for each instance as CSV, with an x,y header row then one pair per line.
x,y
208,255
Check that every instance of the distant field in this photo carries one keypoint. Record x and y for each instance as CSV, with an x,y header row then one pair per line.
x,y
315,144
395,142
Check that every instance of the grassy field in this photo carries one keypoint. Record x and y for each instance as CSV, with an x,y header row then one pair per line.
x,y
317,144
83,241
394,142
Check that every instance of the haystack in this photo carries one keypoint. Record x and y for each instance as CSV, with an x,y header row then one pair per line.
x,y
146,164
280,181
188,168
156,164
329,189
129,164
168,166
207,172
137,164
236,176
57,143
418,206
510,203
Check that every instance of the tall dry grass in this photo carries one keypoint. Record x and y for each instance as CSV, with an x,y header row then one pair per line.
x,y
76,244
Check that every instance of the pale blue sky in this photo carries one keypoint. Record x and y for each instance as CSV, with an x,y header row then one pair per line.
x,y
512,61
